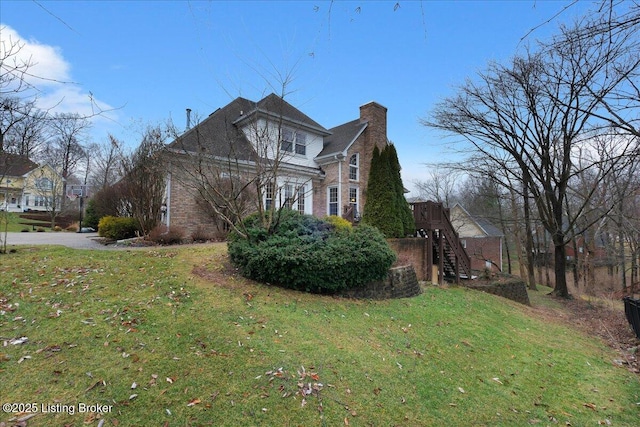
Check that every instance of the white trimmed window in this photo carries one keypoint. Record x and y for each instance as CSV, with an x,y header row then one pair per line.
x,y
44,184
294,142
42,201
301,197
333,200
268,196
353,199
288,196
354,167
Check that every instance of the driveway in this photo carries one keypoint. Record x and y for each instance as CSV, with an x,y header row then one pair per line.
x,y
72,240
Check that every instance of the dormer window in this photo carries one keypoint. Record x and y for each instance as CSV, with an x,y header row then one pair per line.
x,y
294,142
354,167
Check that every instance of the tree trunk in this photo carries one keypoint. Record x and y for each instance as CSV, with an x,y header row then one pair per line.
x,y
516,231
560,258
531,280
505,233
623,263
574,265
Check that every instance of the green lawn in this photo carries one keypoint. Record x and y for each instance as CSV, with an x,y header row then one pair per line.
x,y
134,329
12,222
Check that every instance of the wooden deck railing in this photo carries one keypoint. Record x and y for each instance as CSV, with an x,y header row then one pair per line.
x,y
432,219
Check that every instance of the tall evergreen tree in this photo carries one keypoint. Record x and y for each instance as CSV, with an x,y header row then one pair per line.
x,y
386,207
401,204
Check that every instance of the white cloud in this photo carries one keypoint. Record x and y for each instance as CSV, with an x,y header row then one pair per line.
x,y
47,67
49,75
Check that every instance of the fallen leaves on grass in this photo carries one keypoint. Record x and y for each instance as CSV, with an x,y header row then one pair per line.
x,y
194,402
307,383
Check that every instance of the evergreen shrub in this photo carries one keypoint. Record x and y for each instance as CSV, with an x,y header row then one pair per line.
x,y
117,228
306,253
91,216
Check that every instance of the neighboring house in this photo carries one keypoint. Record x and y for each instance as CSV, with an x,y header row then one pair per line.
x,y
481,239
321,171
25,185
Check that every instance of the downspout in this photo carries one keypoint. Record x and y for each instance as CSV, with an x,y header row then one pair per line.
x,y
340,158
167,213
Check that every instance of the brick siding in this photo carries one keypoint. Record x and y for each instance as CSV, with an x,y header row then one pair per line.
x,y
481,249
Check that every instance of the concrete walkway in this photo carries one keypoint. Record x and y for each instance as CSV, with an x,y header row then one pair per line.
x,y
71,240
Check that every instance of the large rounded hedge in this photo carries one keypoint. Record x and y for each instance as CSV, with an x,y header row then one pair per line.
x,y
309,254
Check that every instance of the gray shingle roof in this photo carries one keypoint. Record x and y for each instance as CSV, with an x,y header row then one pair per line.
x,y
341,137
217,135
277,106
220,134
487,226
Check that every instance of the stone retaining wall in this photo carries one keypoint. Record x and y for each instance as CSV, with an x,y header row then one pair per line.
x,y
514,289
401,282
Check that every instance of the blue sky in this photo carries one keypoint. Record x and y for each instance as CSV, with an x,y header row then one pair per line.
x,y
153,59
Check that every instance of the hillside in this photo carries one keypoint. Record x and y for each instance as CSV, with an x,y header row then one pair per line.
x,y
139,332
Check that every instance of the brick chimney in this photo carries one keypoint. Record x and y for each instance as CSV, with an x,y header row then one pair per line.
x,y
376,133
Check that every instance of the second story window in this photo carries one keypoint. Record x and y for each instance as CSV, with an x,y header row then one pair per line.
x,y
354,166
294,142
44,184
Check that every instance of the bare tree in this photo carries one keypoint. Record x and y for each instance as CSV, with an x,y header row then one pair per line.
x,y
529,118
440,186
49,192
65,149
27,134
105,163
143,183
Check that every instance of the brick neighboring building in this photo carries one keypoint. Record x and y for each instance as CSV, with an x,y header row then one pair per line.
x,y
481,239
324,171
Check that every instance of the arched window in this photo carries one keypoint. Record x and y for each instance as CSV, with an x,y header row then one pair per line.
x,y
354,167
44,184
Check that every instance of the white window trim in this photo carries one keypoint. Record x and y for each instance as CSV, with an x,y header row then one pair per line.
x,y
357,202
356,166
301,202
295,134
337,202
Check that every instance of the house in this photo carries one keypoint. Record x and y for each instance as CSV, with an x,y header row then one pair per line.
x,y
320,171
25,185
481,239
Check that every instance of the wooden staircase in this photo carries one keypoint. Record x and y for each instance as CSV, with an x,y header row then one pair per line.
x,y
433,223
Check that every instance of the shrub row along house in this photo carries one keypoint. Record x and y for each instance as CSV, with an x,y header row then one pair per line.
x,y
27,186
250,156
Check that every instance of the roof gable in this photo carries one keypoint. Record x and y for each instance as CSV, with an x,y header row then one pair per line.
x,y
341,138
15,165
275,107
464,221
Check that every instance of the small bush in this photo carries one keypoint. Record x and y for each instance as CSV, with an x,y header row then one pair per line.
x,y
201,235
338,222
308,254
164,235
25,230
73,227
117,228
57,228
40,230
